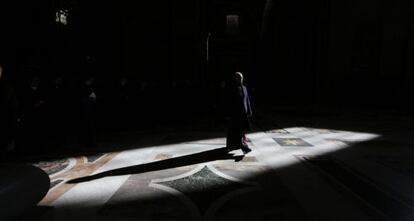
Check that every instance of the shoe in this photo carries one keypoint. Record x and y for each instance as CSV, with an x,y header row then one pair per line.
x,y
246,150
231,149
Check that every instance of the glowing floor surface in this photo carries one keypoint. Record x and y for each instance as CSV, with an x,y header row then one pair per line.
x,y
293,173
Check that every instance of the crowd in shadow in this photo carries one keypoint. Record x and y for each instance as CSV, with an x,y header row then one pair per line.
x,y
42,114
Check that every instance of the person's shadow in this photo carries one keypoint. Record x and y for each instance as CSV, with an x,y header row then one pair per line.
x,y
201,157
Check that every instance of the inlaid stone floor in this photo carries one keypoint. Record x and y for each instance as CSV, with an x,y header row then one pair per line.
x,y
293,173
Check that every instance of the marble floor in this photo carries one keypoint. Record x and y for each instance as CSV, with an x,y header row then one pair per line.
x,y
326,168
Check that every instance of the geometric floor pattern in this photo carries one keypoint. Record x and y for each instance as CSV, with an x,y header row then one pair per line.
x,y
297,173
292,142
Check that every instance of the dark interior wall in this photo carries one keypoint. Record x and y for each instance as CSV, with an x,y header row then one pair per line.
x,y
25,31
367,51
409,53
354,51
99,34
34,43
238,51
289,52
186,40
395,59
340,52
168,39
145,38
163,40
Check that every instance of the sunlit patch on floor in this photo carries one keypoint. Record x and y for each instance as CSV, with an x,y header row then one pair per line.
x,y
69,169
278,131
292,142
163,156
199,187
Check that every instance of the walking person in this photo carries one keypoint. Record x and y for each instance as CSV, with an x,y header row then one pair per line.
x,y
238,112
8,116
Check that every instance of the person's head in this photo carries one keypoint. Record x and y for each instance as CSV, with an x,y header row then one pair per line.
x,y
174,84
35,81
57,81
123,81
222,84
238,78
88,59
89,81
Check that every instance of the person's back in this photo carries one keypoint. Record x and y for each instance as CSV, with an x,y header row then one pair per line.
x,y
237,112
8,114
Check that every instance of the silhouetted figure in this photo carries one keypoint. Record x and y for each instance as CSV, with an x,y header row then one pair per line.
x,y
155,97
171,101
142,112
57,104
8,116
238,112
33,115
122,106
87,98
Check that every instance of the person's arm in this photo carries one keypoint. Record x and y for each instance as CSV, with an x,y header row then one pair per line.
x,y
249,108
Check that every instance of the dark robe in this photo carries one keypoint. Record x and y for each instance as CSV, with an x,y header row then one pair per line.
x,y
57,107
8,115
33,119
87,115
238,113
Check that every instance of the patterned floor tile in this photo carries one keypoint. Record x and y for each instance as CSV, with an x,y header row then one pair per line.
x,y
292,142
